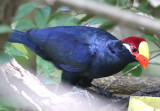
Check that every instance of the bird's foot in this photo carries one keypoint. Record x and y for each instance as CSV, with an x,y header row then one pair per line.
x,y
87,94
109,95
102,91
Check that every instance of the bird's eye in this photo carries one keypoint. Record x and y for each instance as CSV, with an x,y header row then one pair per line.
x,y
134,49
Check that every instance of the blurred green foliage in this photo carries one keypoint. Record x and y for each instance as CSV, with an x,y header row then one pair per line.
x,y
4,57
42,16
25,24
8,104
135,72
33,15
5,29
150,38
25,9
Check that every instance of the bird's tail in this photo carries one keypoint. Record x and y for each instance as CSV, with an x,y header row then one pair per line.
x,y
19,37
22,37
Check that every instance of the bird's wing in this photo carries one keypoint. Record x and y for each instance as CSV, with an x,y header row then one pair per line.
x,y
69,49
70,53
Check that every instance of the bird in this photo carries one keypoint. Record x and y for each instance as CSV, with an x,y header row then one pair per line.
x,y
83,53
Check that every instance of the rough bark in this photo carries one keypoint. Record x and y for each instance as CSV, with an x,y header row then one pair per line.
x,y
21,83
27,89
127,85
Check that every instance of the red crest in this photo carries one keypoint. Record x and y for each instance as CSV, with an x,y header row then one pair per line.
x,y
133,40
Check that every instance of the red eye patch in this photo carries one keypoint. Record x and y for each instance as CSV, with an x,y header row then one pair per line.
x,y
134,50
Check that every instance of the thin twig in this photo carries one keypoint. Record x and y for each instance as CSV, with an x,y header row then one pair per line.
x,y
41,71
87,22
156,42
122,75
129,71
154,56
154,63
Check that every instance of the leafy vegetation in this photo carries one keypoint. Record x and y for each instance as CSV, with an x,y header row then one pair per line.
x,y
5,29
33,15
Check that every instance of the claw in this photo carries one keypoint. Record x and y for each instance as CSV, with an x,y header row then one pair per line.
x,y
86,93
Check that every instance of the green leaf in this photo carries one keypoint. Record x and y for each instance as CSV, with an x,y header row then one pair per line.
x,y
5,29
25,9
150,38
42,16
63,20
124,2
25,24
21,48
112,2
23,61
56,75
13,51
48,80
10,104
48,66
107,25
3,108
53,78
143,7
135,72
97,20
51,74
87,17
4,58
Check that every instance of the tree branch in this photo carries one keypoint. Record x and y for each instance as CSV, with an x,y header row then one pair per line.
x,y
27,89
127,85
124,17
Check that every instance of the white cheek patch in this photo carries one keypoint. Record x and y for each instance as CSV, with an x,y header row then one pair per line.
x,y
128,47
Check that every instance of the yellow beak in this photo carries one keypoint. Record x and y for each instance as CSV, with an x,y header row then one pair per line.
x,y
143,56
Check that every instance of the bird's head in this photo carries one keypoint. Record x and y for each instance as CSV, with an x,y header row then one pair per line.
x,y
138,47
